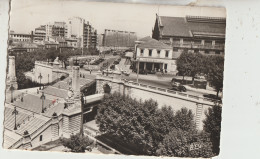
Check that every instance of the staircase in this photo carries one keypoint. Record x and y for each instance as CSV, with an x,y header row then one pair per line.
x,y
198,115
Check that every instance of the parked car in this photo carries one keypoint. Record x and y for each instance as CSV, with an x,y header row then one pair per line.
x,y
179,87
212,96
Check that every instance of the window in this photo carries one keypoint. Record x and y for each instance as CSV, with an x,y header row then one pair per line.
x,y
40,137
175,49
150,52
166,53
142,52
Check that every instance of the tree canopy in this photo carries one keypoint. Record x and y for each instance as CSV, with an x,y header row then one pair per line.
x,y
152,129
212,66
212,125
77,143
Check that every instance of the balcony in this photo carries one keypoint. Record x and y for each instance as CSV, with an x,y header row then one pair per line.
x,y
199,46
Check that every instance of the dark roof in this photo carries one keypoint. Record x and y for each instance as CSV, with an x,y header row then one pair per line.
x,y
154,44
187,26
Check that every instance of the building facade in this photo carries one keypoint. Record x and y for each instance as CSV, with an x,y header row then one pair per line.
x,y
154,56
116,38
20,37
191,33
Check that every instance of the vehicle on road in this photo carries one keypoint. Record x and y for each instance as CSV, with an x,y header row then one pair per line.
x,y
212,96
179,87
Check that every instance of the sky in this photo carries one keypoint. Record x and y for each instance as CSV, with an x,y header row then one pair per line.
x,y
26,15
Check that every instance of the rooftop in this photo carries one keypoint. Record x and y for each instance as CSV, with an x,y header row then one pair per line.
x,y
154,44
186,26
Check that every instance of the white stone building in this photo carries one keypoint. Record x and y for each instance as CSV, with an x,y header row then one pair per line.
x,y
154,55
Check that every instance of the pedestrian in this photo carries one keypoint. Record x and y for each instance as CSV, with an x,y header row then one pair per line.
x,y
90,71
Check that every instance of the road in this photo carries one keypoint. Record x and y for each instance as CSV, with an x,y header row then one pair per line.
x,y
154,80
162,84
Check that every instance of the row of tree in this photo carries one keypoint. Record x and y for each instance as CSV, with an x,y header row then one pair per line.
x,y
211,66
158,131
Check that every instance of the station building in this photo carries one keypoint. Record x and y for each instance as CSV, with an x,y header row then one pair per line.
x,y
191,33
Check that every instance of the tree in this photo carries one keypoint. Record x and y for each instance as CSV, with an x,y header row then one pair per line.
x,y
181,143
184,120
190,64
212,125
184,64
77,143
216,72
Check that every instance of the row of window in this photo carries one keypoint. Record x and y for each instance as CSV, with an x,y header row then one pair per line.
x,y
158,52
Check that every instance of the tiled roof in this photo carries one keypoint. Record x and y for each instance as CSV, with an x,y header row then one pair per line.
x,y
32,103
154,44
179,26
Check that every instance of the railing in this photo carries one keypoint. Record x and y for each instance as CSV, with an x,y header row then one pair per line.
x,y
48,122
189,96
199,46
172,92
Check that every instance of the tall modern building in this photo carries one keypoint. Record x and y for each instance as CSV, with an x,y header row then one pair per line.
x,y
83,31
44,32
116,38
191,33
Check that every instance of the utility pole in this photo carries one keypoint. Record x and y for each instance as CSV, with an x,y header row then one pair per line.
x,y
107,68
42,98
138,63
15,112
83,102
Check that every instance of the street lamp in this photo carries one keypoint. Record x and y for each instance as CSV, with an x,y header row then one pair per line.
x,y
42,98
138,63
12,90
48,78
83,103
15,112
107,68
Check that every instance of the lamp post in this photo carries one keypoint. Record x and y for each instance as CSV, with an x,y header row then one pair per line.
x,y
42,98
48,78
138,63
107,68
15,112
83,103
12,90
